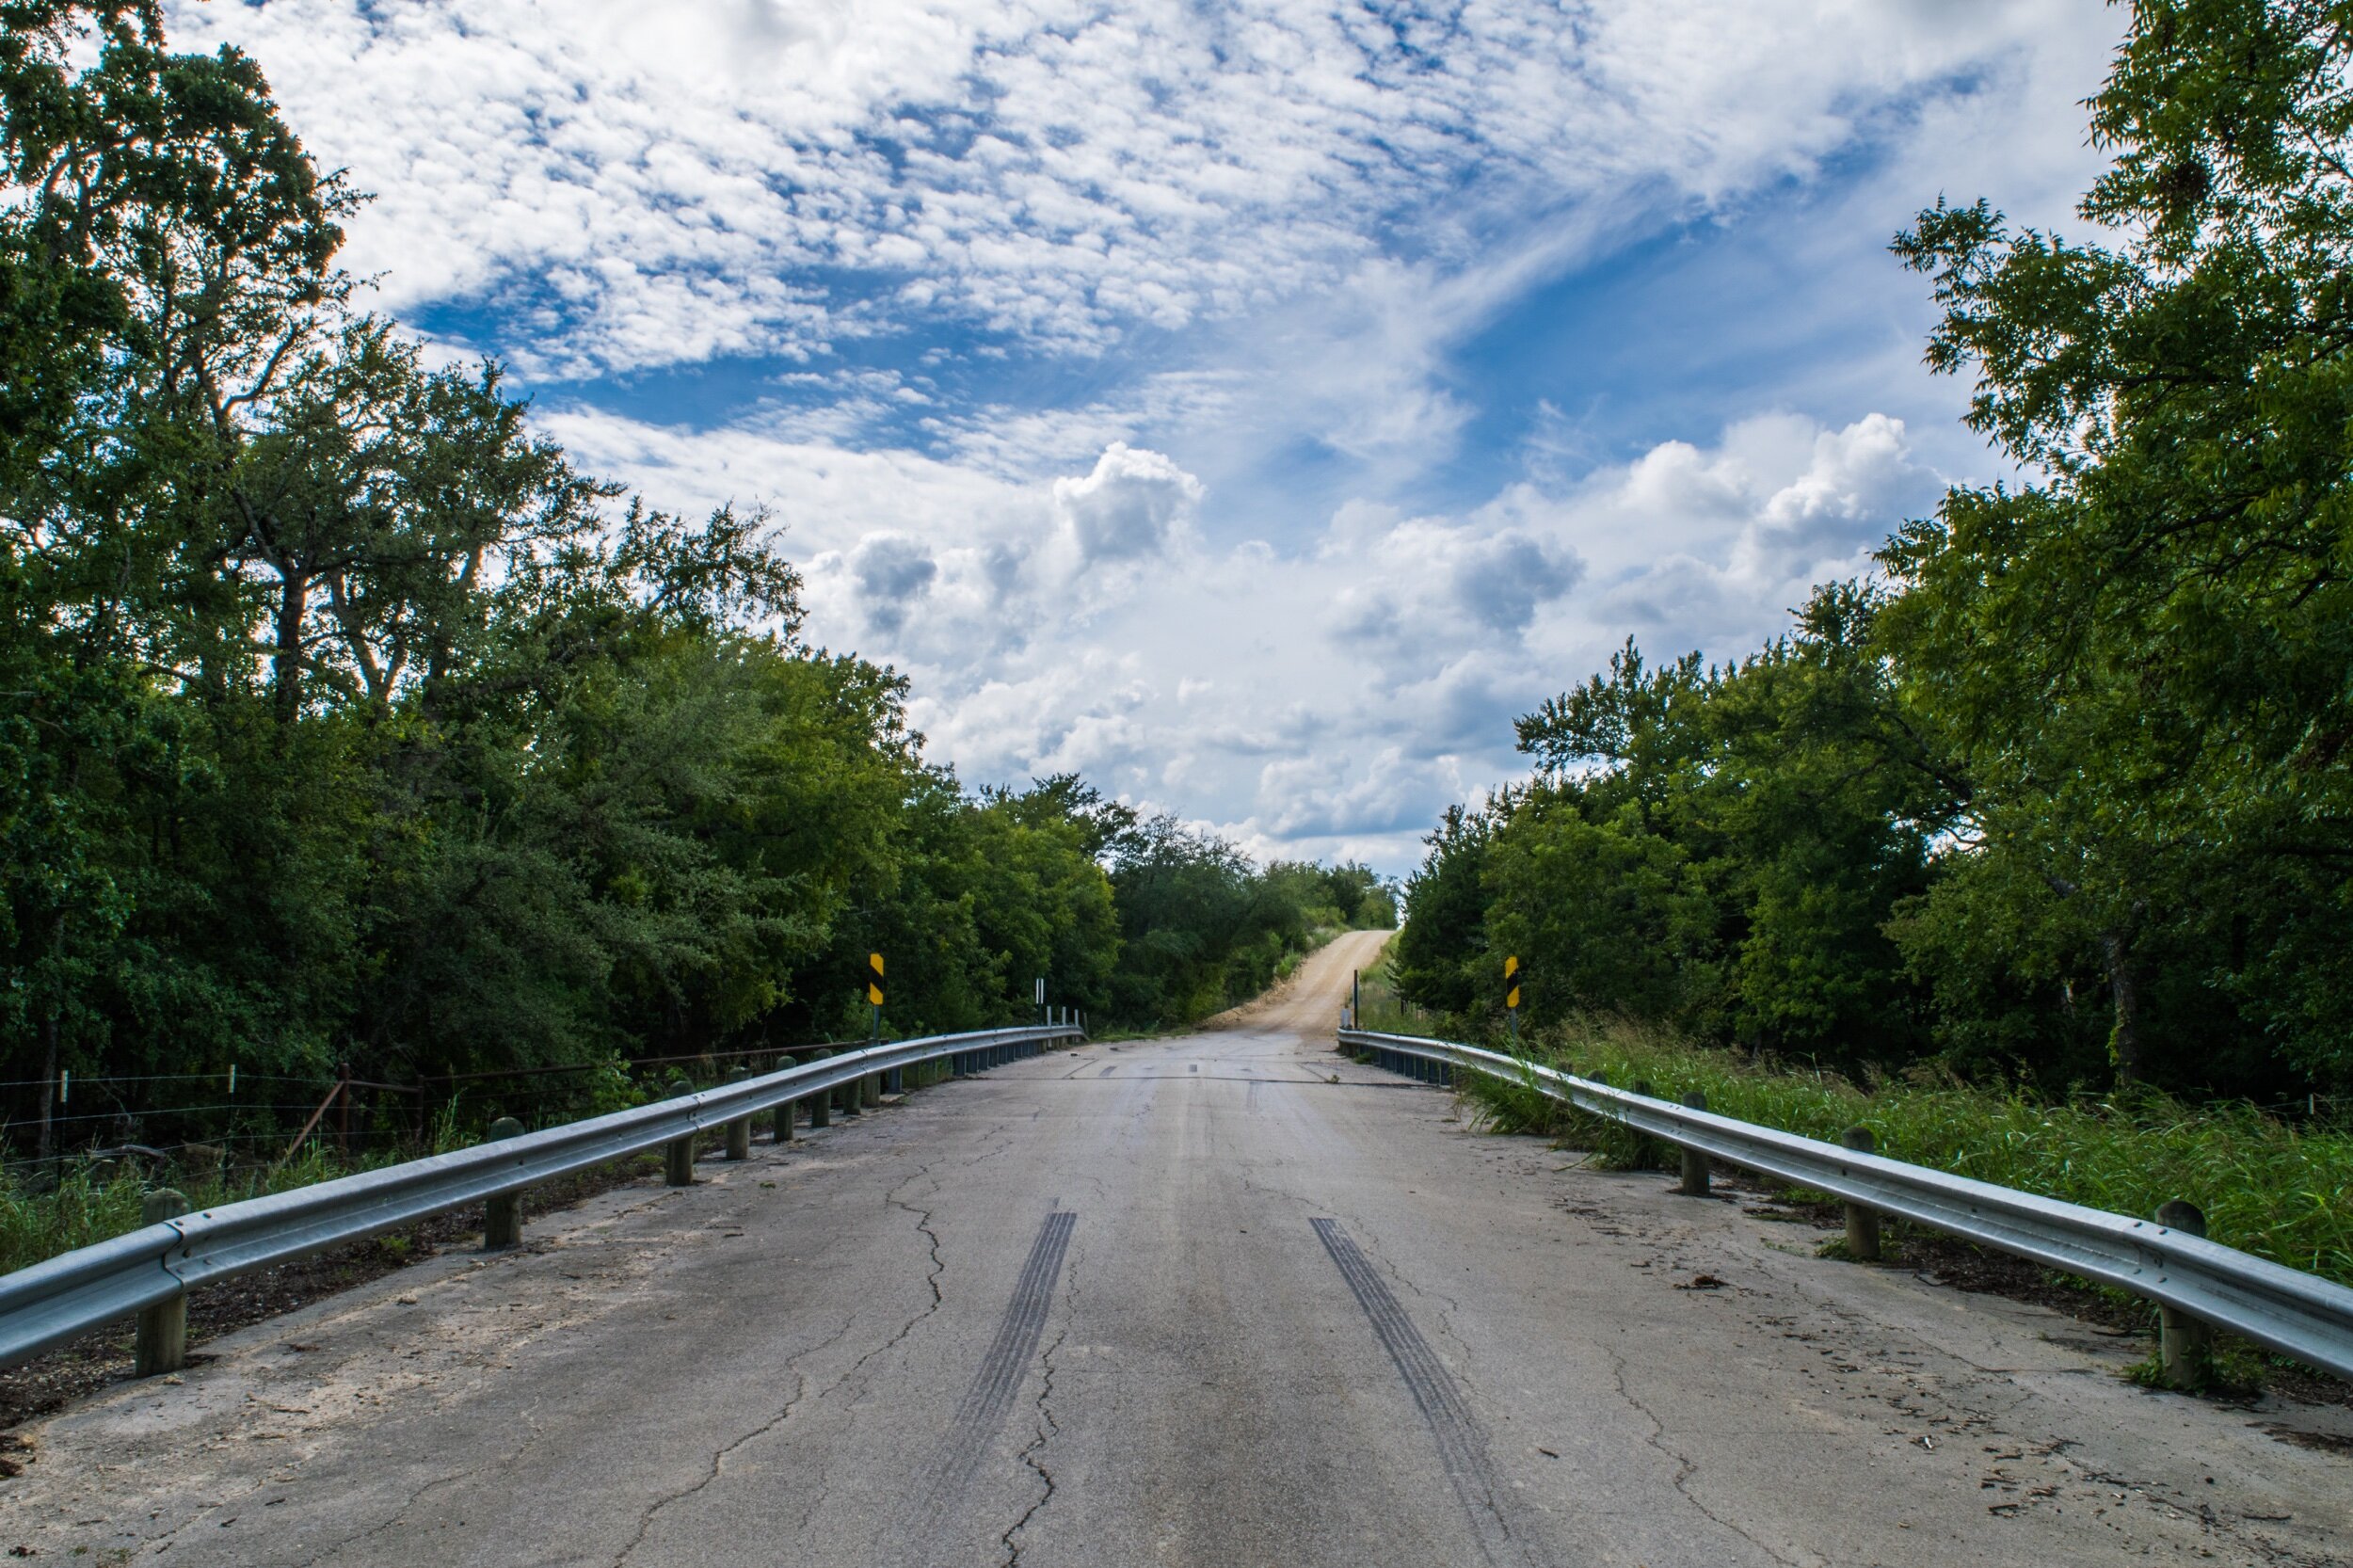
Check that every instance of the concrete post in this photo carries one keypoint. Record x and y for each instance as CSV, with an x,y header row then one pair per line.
x,y
161,1344
2184,1342
678,1155
785,1113
1694,1162
740,1129
821,1103
1862,1225
503,1214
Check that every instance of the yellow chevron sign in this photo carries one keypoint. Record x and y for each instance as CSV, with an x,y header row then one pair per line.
x,y
874,978
1511,984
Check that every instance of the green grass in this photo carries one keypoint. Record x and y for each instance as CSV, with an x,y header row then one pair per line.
x,y
83,1208
79,1207
2266,1187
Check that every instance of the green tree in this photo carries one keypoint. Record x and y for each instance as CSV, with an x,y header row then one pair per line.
x,y
2140,655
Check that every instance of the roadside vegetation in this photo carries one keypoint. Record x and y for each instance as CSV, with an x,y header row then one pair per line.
x,y
347,725
2032,850
2058,802
2267,1186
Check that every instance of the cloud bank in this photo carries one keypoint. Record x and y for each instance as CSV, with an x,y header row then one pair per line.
x,y
1252,406
1327,694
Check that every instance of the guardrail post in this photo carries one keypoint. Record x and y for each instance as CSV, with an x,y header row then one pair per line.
x,y
678,1155
821,1103
162,1343
848,1098
502,1212
785,1113
1862,1225
2184,1342
895,1082
869,1091
1694,1162
739,1129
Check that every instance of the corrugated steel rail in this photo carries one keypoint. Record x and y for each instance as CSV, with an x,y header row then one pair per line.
x,y
2284,1310
67,1296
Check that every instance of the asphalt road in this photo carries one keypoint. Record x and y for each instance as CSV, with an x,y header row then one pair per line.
x,y
1219,1299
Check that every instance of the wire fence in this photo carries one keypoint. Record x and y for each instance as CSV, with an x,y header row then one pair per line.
x,y
153,1117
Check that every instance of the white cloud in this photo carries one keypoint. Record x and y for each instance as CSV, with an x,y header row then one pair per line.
x,y
892,571
628,186
1129,508
1326,698
1141,465
1712,548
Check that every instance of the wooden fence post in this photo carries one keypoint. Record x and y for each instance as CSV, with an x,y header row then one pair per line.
x,y
162,1341
2184,1344
503,1213
1694,1162
786,1111
821,1103
1862,1225
678,1155
740,1128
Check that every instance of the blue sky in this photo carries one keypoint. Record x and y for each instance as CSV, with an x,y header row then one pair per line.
x,y
1251,406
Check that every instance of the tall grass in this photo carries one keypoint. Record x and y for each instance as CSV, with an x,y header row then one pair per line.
x,y
76,1204
2266,1187
1384,1009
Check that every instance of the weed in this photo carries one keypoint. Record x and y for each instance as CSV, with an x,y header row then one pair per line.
x,y
2266,1186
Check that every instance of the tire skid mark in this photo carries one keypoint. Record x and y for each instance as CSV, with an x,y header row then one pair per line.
x,y
1461,1444
1002,1371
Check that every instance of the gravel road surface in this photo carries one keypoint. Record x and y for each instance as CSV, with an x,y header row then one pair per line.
x,y
1223,1300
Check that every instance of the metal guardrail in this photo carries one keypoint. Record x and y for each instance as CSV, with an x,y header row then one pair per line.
x,y
66,1296
2284,1310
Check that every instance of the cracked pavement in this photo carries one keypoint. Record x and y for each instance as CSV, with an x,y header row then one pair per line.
x,y
761,1368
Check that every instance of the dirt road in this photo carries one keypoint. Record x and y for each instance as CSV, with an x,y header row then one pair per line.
x,y
1223,1300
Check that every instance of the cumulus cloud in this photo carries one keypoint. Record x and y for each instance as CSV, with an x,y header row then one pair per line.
x,y
1706,547
1129,506
1383,794
891,573
1433,581
1329,697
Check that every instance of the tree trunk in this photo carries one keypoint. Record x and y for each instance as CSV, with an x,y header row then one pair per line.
x,y
2125,1045
285,673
